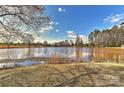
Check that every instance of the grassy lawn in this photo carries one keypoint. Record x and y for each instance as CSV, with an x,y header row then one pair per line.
x,y
78,74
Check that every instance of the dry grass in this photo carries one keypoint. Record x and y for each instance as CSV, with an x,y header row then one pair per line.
x,y
115,47
78,74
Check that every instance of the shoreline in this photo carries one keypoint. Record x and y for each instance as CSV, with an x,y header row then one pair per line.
x,y
24,46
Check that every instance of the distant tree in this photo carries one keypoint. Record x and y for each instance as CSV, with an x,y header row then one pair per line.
x,y
81,42
77,41
93,35
28,40
45,43
67,43
71,43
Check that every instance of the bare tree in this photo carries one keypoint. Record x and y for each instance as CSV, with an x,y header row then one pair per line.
x,y
16,21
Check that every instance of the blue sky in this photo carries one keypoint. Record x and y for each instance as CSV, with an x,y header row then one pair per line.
x,y
71,19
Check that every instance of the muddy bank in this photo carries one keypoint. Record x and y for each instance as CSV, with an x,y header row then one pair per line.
x,y
56,75
13,65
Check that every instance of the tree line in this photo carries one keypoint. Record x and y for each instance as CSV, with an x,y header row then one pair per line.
x,y
78,42
113,37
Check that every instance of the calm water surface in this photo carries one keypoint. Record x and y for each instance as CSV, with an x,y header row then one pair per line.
x,y
61,55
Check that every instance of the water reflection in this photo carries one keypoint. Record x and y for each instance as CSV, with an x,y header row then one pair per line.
x,y
63,54
28,63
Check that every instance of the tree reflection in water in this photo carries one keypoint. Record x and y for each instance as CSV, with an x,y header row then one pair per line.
x,y
63,54
79,54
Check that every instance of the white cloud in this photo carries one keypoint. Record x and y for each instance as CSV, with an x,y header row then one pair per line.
x,y
70,32
85,38
61,9
37,39
57,30
54,23
47,28
73,35
114,18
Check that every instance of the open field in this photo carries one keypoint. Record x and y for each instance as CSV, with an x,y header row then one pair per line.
x,y
76,74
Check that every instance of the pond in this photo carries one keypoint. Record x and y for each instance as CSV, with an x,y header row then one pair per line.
x,y
60,55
